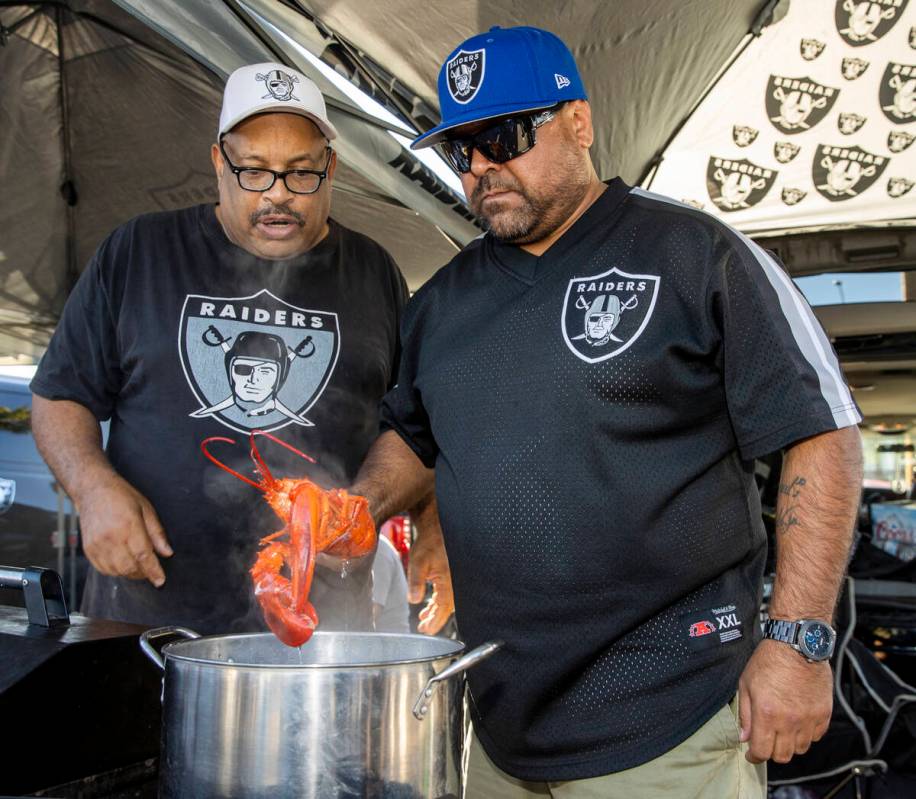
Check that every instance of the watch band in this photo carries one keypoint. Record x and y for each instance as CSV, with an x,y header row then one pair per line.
x,y
781,630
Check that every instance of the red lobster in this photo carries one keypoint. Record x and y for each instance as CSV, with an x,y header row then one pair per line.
x,y
317,520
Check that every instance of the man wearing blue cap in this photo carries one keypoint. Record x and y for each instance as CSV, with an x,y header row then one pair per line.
x,y
592,381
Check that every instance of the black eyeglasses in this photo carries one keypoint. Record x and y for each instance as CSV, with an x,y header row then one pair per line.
x,y
502,141
298,181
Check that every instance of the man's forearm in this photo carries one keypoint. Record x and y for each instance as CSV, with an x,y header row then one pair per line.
x,y
392,478
819,490
69,438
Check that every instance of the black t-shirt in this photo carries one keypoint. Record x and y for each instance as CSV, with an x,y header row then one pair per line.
x,y
592,415
176,334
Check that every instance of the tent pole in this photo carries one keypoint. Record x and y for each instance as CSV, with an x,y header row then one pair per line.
x,y
67,187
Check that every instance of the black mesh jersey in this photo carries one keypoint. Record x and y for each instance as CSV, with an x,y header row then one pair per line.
x,y
592,416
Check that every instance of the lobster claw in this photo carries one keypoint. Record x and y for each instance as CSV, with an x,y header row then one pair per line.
x,y
276,599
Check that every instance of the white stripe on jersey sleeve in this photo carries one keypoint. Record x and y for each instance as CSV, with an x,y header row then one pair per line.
x,y
806,330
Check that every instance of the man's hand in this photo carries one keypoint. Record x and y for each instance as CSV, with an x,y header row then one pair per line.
x,y
121,532
428,563
784,702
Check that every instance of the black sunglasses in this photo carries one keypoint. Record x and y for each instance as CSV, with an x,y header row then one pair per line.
x,y
502,141
298,181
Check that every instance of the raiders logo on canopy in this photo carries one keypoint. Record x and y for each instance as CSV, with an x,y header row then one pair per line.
x,y
793,196
861,23
464,74
785,151
897,95
848,122
897,187
811,48
899,140
853,68
734,185
256,362
604,314
795,105
744,135
841,173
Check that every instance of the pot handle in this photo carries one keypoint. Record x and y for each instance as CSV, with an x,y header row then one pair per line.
x,y
151,652
472,658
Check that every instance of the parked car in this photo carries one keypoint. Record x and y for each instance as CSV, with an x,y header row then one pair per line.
x,y
31,504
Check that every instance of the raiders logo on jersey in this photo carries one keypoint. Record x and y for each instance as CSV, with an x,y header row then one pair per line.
x,y
793,196
256,362
605,314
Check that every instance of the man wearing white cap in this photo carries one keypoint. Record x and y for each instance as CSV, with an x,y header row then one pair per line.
x,y
257,313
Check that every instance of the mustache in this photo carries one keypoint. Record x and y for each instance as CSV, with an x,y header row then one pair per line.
x,y
276,210
488,183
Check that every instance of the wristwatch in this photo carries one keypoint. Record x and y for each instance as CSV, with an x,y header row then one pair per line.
x,y
813,639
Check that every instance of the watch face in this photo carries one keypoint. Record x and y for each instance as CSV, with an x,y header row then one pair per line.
x,y
816,640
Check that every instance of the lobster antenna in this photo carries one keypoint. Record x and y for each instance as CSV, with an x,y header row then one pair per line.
x,y
203,448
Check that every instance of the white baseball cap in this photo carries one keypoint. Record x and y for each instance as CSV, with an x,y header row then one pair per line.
x,y
259,88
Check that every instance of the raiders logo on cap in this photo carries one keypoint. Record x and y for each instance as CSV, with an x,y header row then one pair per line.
x,y
465,75
737,184
841,173
279,84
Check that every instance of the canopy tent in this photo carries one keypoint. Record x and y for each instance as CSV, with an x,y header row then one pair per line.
x,y
108,109
811,127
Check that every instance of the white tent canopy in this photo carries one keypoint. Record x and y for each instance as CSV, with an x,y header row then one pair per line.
x,y
811,127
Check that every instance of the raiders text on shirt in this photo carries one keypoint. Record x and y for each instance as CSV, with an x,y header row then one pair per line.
x,y
230,310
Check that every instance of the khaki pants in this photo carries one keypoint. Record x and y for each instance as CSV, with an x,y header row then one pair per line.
x,y
710,763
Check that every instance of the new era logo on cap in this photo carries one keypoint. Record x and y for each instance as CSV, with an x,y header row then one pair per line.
x,y
562,80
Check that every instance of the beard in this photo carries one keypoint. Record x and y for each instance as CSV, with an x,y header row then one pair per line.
x,y
542,209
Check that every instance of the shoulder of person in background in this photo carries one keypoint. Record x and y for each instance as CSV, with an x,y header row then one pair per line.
x,y
389,590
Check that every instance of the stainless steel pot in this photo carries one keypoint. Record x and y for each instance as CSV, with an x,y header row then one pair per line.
x,y
345,715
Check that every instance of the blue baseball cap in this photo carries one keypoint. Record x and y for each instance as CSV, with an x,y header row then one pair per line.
x,y
503,71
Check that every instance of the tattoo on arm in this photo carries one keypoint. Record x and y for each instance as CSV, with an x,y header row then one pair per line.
x,y
788,503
